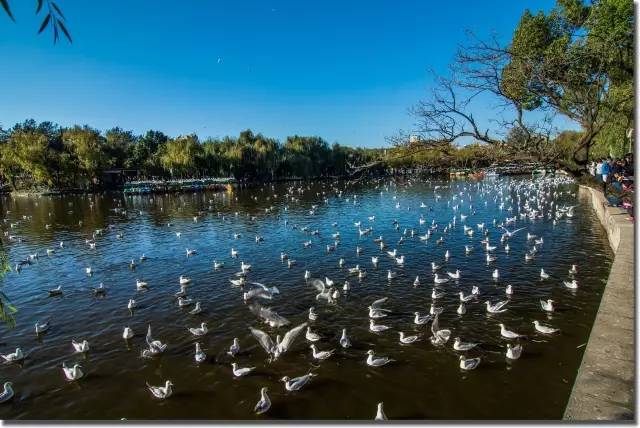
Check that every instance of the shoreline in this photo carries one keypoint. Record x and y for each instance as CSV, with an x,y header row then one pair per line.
x,y
604,388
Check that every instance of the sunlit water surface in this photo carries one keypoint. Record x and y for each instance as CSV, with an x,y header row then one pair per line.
x,y
425,382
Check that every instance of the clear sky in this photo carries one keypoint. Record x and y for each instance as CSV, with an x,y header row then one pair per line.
x,y
343,70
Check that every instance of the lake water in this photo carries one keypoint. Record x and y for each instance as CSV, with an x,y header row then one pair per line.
x,y
425,381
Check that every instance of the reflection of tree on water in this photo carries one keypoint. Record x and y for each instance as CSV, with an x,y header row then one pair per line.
x,y
6,308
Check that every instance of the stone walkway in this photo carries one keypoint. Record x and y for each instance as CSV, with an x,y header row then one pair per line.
x,y
605,385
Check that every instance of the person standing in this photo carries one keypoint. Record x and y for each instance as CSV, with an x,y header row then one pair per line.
x,y
606,170
599,170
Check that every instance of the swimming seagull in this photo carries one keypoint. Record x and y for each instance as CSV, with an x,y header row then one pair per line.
x,y
234,348
321,355
344,340
127,333
407,339
547,305
513,352
508,334
545,329
497,307
573,284
311,336
200,355
161,392
459,345
42,328
240,371
377,328
7,393
80,347
200,331
543,274
297,382
13,357
469,364
72,373
380,416
264,404
377,362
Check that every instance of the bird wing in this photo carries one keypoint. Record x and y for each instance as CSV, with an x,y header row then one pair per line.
x,y
290,336
318,284
148,338
264,287
500,305
376,304
435,325
263,339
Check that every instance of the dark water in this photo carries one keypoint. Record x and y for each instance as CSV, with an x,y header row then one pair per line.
x,y
424,383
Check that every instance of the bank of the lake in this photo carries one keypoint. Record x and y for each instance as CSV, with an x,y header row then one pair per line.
x,y
604,388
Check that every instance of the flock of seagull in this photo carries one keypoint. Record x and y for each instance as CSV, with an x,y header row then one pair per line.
x,y
519,201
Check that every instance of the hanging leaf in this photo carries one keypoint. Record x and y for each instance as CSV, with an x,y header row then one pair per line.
x,y
57,10
45,21
39,7
64,30
55,32
5,6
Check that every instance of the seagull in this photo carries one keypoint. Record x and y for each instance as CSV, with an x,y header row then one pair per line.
x,y
509,290
455,275
200,355
407,339
508,334
42,328
311,336
376,362
547,305
459,345
380,416
279,347
435,295
200,331
421,320
374,260
196,310
13,357
344,340
461,309
264,404
312,315
183,302
513,352
545,329
161,392
56,291
240,371
377,328
437,280
469,364
72,373
191,252
296,383
377,313
217,265
391,275
127,333
184,280
467,298
7,393
321,355
497,307
573,284
495,275
416,282
80,347
141,284
573,270
234,348
543,274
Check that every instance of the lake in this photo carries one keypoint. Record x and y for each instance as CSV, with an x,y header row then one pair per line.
x,y
424,381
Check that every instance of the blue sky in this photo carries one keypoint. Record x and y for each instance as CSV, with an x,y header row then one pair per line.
x,y
343,70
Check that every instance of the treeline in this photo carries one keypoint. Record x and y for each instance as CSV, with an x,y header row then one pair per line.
x,y
46,155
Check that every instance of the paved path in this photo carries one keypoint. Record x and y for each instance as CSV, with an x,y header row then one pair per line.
x,y
605,386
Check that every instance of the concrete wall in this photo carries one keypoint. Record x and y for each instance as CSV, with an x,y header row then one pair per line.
x,y
605,385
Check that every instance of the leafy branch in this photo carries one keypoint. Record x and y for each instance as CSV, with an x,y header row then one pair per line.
x,y
53,19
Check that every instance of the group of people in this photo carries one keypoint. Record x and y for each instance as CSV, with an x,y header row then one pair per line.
x,y
616,176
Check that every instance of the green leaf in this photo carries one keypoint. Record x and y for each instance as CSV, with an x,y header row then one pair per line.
x,y
55,32
39,7
64,30
55,6
5,6
45,21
